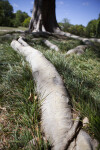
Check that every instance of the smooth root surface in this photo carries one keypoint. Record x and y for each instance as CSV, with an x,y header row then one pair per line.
x,y
56,111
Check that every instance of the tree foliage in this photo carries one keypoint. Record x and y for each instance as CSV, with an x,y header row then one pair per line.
x,y
6,13
91,28
66,24
74,29
98,28
77,29
26,22
8,18
20,17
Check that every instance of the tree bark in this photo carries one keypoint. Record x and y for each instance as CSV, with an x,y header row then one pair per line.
x,y
43,16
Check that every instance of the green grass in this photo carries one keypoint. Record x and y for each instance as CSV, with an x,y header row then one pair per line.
x,y
5,30
65,45
12,28
20,107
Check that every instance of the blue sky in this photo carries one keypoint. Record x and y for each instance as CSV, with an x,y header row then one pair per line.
x,y
77,11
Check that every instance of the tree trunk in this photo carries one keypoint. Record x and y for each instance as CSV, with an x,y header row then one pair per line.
x,y
43,16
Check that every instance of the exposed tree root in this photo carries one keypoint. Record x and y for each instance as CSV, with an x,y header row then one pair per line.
x,y
57,121
79,50
87,41
11,35
61,34
50,45
71,134
64,35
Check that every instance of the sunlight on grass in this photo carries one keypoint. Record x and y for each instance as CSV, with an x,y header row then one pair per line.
x,y
7,30
19,107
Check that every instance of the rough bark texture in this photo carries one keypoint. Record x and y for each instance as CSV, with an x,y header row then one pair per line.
x,y
43,16
57,121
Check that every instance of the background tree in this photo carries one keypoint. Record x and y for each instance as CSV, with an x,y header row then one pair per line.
x,y
91,29
98,28
19,18
1,13
66,24
77,30
99,16
26,22
6,13
43,16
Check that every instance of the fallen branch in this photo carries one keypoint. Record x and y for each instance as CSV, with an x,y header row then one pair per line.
x,y
79,50
57,121
50,45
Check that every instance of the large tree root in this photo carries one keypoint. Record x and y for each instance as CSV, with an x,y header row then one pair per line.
x,y
57,121
87,41
79,50
60,34
50,45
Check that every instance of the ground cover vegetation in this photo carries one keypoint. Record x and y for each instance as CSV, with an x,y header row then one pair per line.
x,y
19,106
